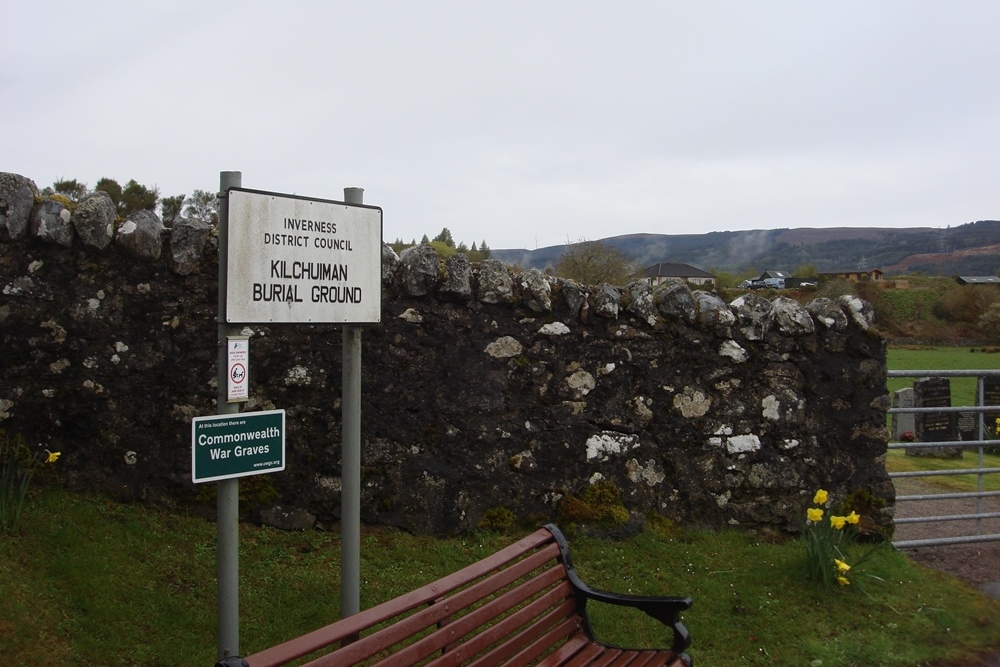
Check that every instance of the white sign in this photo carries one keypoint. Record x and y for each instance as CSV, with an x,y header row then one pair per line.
x,y
301,260
239,369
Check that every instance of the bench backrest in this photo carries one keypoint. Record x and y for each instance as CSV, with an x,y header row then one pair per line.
x,y
508,608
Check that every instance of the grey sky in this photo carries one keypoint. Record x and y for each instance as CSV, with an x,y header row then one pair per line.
x,y
526,124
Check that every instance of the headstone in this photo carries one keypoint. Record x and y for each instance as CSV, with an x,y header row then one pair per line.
x,y
991,396
968,425
903,425
934,427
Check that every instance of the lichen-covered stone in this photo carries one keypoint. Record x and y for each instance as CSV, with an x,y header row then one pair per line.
x,y
17,197
791,318
188,237
50,221
640,301
536,292
504,348
457,285
94,220
419,270
390,263
141,235
713,312
573,294
674,301
754,315
554,329
495,284
606,300
827,313
860,310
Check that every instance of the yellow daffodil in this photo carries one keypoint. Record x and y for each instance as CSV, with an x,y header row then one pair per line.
x,y
814,514
52,456
853,518
843,581
838,521
820,497
841,565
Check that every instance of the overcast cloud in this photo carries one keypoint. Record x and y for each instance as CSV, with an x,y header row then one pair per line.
x,y
525,124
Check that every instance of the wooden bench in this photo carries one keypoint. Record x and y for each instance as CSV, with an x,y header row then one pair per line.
x,y
524,605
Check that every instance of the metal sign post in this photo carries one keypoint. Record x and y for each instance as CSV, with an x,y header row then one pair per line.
x,y
350,467
285,259
228,490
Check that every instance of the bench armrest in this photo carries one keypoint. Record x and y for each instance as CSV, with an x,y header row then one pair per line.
x,y
666,610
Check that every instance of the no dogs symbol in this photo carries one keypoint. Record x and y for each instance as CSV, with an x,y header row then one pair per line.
x,y
238,374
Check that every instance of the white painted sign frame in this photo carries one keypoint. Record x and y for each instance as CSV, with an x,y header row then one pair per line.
x,y
302,260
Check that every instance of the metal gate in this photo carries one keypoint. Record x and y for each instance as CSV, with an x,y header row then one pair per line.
x,y
979,445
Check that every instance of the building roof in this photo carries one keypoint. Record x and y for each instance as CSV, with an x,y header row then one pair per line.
x,y
771,273
850,271
978,280
674,270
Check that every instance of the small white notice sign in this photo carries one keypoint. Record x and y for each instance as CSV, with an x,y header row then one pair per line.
x,y
239,369
301,260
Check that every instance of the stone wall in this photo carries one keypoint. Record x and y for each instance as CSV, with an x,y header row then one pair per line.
x,y
483,388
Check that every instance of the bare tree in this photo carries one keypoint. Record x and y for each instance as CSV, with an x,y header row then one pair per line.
x,y
595,262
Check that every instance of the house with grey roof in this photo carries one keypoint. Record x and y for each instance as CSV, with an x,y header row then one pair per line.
x,y
659,273
977,280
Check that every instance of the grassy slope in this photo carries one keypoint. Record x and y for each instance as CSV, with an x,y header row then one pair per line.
x,y
94,582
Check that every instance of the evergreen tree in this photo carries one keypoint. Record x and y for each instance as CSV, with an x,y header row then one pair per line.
x,y
72,189
445,238
170,209
202,205
111,187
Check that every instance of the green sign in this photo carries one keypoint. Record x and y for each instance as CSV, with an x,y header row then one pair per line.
x,y
237,445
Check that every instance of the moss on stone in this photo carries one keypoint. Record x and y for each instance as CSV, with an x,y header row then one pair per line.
x,y
497,520
601,503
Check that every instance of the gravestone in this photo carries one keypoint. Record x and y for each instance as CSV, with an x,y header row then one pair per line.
x,y
968,425
991,396
903,426
934,427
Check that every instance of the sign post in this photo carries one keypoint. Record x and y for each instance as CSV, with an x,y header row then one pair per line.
x,y
285,259
227,559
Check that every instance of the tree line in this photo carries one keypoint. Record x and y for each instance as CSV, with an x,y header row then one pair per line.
x,y
134,196
445,246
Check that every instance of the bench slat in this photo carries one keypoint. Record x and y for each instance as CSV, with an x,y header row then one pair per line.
x,y
510,631
353,625
447,607
527,655
451,637
578,650
543,629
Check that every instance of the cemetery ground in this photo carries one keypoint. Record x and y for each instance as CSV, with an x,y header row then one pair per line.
x,y
92,581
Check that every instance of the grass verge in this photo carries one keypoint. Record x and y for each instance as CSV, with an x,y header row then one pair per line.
x,y
89,581
897,461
